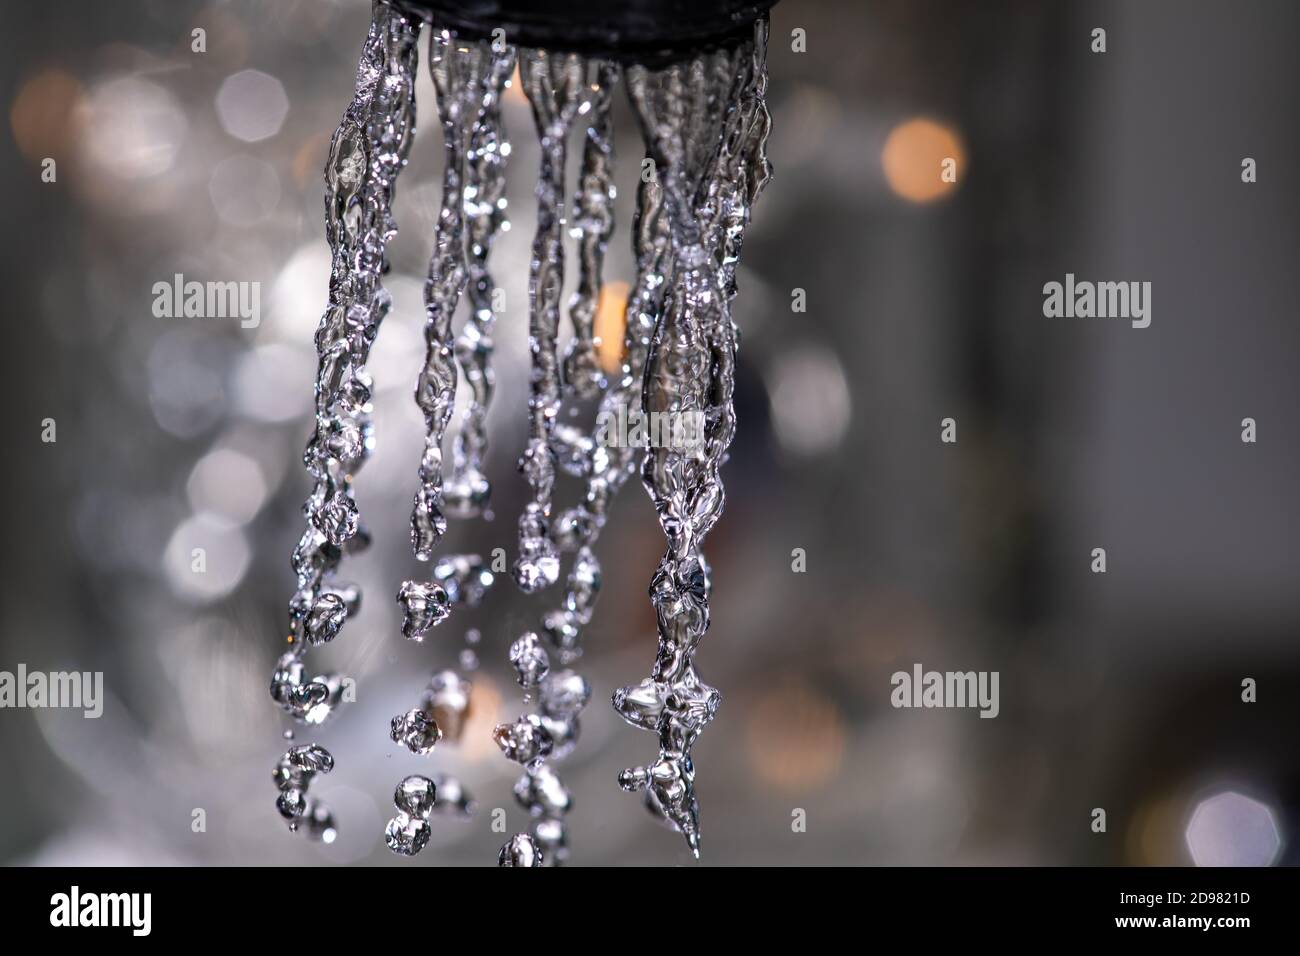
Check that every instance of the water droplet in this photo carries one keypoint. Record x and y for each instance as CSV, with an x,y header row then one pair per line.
x,y
564,734
424,606
326,619
408,832
292,804
328,705
529,660
552,840
565,693
520,851
406,835
541,792
415,795
292,777
416,731
310,758
525,740
538,564
338,518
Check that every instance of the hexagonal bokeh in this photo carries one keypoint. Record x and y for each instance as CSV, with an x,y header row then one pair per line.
x,y
252,105
1232,829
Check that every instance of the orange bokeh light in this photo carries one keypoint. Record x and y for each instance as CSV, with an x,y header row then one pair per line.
x,y
610,324
915,158
795,737
41,115
484,714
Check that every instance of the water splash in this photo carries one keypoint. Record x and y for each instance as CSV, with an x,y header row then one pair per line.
x,y
408,832
607,466
416,731
525,741
564,625
592,226
529,660
560,89
367,152
424,606
576,450
461,71
520,851
442,712
468,78
706,125
554,85
293,775
467,491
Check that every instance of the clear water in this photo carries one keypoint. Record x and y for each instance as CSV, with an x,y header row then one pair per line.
x,y
704,123
468,79
293,776
562,90
408,832
367,152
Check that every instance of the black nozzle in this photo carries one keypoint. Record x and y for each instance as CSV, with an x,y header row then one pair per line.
x,y
642,31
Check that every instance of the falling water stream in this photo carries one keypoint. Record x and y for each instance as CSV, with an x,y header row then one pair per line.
x,y
706,125
367,152
704,122
560,89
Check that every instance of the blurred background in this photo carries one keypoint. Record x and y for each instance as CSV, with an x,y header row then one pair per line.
x,y
924,301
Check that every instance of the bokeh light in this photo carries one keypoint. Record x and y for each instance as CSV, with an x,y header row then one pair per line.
x,y
610,324
227,483
252,105
914,156
206,558
41,115
810,400
131,128
795,737
1232,829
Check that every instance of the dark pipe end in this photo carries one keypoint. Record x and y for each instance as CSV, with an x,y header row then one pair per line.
x,y
638,31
